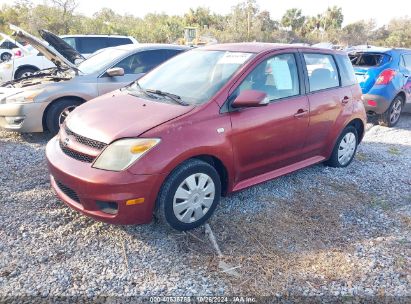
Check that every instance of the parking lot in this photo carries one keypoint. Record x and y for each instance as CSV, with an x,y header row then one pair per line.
x,y
320,231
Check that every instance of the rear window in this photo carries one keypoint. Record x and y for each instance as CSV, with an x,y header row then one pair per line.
x,y
88,45
347,72
368,59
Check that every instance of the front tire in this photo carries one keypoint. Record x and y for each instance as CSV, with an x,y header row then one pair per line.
x,y
392,116
344,149
25,72
58,112
189,195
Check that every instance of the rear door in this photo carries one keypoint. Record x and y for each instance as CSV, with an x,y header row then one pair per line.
x,y
329,100
135,66
270,137
406,74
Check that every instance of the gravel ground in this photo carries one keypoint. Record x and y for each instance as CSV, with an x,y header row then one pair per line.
x,y
319,231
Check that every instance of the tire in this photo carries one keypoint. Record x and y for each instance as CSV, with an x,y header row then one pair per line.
x,y
392,116
339,159
5,56
24,72
177,210
58,112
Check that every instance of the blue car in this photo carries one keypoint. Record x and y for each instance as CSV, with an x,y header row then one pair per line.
x,y
384,77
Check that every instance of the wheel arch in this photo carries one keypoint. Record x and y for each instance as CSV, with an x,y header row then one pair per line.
x,y
358,124
77,98
402,95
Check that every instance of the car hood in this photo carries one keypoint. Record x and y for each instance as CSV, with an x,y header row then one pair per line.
x,y
62,47
51,54
7,92
120,115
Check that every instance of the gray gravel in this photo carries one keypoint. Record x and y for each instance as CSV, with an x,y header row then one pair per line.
x,y
319,231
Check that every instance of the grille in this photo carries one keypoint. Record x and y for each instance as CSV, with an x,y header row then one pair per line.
x,y
69,192
76,155
85,141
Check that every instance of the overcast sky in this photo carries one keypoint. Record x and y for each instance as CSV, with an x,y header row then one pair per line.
x,y
353,10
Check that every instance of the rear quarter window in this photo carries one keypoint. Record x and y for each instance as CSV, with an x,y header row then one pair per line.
x,y
347,72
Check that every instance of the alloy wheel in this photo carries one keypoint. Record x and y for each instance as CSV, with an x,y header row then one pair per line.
x,y
65,113
395,111
346,149
194,198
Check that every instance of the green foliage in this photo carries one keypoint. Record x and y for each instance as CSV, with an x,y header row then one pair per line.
x,y
245,22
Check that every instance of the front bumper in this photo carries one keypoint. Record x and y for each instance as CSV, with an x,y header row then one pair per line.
x,y
27,117
84,188
381,104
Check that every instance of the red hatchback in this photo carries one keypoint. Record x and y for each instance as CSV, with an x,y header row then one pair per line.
x,y
206,123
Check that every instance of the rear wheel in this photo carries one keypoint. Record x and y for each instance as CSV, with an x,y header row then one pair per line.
x,y
189,195
24,73
344,149
391,117
57,113
5,56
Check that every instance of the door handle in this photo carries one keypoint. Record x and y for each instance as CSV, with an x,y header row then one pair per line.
x,y
345,99
301,113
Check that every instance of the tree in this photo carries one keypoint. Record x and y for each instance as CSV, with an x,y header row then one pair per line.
x,y
332,18
293,19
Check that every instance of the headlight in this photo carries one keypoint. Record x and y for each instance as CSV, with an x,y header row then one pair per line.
x,y
124,152
24,97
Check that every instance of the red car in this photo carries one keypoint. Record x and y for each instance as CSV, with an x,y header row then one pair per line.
x,y
206,123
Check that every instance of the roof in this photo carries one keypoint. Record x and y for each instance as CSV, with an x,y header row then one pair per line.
x,y
379,50
143,46
260,47
92,35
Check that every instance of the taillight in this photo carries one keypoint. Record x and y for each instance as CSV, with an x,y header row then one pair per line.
x,y
17,53
385,77
372,103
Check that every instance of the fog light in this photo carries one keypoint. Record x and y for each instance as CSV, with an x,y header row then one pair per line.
x,y
135,201
108,207
14,120
372,103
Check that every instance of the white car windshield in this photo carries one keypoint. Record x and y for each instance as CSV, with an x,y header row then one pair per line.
x,y
194,76
100,60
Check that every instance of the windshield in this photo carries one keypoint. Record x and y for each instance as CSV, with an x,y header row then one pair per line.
x,y
100,60
194,76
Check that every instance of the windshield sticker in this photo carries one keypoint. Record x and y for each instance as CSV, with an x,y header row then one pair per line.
x,y
234,58
281,74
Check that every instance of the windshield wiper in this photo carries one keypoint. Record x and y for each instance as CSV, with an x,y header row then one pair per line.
x,y
140,88
173,97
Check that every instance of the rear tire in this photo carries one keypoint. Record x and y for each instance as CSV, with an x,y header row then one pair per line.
x,y
5,56
344,149
58,112
24,72
392,116
189,195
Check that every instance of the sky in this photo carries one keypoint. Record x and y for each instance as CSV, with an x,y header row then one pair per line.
x,y
353,10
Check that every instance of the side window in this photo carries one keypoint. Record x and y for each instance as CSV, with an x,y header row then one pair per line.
x,y
88,45
322,71
130,64
276,76
115,41
346,70
150,59
407,61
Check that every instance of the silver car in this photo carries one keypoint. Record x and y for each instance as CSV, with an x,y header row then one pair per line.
x,y
42,101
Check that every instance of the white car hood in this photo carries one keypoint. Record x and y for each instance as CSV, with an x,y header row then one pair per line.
x,y
50,53
7,92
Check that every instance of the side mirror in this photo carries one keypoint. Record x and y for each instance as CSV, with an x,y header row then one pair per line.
x,y
115,72
250,98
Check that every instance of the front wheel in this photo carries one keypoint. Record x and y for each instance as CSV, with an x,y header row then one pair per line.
x,y
391,117
189,195
344,149
58,112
